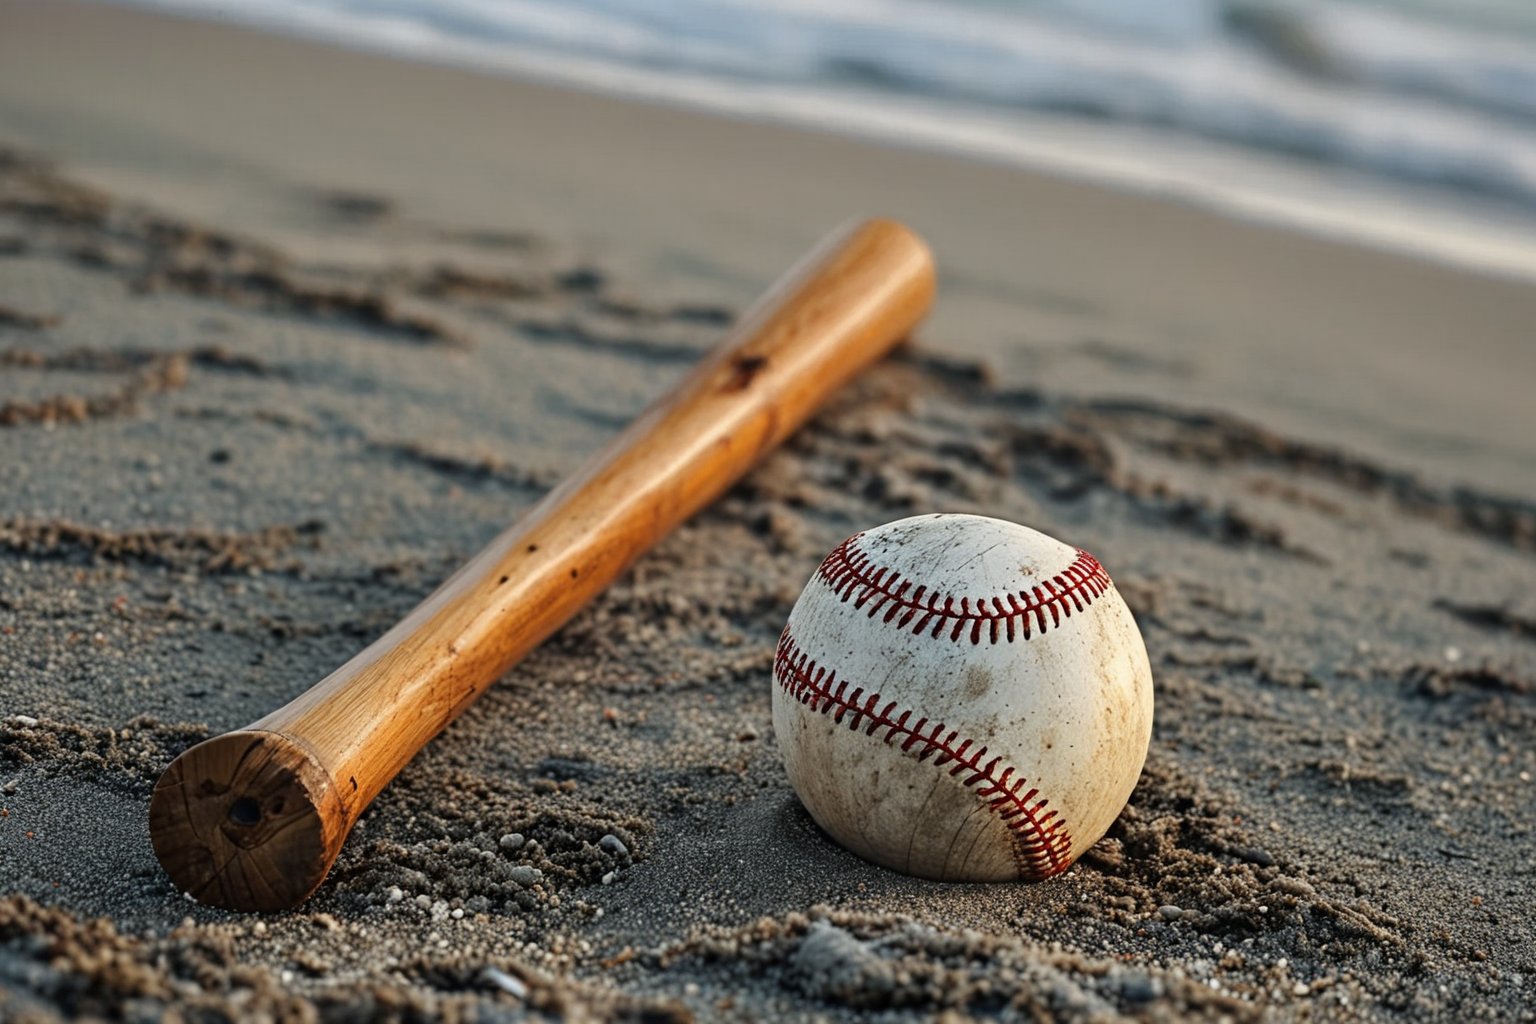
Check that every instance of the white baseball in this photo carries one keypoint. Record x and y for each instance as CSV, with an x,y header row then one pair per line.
x,y
963,699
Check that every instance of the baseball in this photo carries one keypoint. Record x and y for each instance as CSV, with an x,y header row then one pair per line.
x,y
962,699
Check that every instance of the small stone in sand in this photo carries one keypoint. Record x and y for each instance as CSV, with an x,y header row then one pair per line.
x,y
512,841
833,964
524,875
504,981
614,845
1139,988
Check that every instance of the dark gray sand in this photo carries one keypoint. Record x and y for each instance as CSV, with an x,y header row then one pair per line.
x,y
229,462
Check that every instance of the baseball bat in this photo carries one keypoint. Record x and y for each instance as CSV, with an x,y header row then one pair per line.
x,y
253,819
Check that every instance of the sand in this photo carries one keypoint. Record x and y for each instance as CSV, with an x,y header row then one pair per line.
x,y
286,333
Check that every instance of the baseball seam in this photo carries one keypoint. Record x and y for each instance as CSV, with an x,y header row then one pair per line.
x,y
1040,840
853,576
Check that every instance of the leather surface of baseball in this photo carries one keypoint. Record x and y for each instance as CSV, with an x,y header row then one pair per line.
x,y
962,699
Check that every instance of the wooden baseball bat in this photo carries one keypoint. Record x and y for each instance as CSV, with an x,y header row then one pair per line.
x,y
253,819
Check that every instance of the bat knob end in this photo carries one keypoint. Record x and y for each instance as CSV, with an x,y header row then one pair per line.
x,y
248,821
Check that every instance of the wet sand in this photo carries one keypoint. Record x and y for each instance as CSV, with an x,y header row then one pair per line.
x,y
286,333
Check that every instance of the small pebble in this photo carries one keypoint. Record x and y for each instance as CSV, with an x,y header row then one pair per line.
x,y
609,878
1138,988
259,928
10,787
394,894
1170,912
512,841
1256,855
423,901
514,987
522,874
456,913
614,845
26,721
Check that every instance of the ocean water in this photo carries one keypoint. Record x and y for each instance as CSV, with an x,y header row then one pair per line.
x,y
1407,124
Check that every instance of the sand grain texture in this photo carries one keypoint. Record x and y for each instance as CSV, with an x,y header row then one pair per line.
x,y
249,416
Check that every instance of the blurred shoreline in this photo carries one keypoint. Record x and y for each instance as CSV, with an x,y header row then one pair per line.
x,y
1051,281
1351,122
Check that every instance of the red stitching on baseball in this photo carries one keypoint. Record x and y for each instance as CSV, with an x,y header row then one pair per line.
x,y
1042,845
853,577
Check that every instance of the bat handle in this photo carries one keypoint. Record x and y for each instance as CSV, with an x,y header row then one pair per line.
x,y
253,819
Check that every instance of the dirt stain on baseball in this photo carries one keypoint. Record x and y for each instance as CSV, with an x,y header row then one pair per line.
x,y
978,680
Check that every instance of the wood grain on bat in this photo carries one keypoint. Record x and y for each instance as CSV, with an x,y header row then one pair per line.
x,y
253,819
